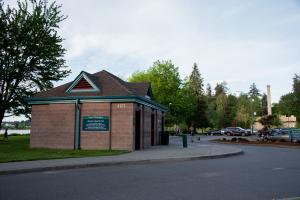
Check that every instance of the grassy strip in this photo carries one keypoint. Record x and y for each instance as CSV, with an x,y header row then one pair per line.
x,y
16,148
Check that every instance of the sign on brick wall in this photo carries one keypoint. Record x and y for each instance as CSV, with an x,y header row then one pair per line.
x,y
95,123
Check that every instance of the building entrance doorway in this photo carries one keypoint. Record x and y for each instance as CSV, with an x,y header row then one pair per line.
x,y
152,129
137,130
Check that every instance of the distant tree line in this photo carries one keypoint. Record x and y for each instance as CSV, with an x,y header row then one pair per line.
x,y
24,124
289,104
191,106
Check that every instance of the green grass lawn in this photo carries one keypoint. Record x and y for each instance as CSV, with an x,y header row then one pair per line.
x,y
16,148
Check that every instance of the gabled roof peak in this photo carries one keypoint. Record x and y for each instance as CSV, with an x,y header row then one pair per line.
x,y
83,83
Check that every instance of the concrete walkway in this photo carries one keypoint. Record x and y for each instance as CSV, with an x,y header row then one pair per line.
x,y
173,152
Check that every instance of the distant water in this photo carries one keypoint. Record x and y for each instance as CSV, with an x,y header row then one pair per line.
x,y
24,131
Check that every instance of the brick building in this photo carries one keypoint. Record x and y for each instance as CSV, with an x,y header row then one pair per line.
x,y
96,111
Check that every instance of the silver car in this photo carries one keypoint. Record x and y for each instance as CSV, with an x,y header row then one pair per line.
x,y
276,136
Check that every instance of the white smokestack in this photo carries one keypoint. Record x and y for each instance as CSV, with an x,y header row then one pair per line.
x,y
269,100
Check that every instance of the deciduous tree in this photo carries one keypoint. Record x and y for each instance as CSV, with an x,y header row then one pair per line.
x,y
31,52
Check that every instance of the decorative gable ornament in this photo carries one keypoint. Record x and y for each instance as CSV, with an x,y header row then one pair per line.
x,y
82,83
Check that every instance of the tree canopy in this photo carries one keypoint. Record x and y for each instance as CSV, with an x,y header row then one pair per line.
x,y
165,83
31,52
190,104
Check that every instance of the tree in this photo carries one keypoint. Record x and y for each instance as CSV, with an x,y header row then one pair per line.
x,y
270,120
221,105
230,110
165,82
243,117
196,82
221,88
140,76
31,53
296,91
253,91
197,118
296,86
208,91
286,104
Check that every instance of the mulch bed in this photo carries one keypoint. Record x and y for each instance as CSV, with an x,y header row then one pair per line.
x,y
260,143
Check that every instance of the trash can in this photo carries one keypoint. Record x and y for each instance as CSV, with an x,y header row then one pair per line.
x,y
184,141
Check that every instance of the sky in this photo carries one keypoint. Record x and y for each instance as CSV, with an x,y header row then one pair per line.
x,y
239,42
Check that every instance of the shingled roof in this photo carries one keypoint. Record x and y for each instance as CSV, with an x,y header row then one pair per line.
x,y
106,83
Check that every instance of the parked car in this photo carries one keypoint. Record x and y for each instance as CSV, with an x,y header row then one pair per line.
x,y
214,132
285,130
236,131
279,135
249,131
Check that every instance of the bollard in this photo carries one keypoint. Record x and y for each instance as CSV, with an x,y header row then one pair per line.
x,y
184,141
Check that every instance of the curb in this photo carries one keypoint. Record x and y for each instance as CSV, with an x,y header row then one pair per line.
x,y
119,163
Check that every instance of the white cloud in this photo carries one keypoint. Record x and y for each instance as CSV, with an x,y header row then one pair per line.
x,y
226,40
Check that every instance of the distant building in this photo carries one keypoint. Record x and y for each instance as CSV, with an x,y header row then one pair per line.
x,y
97,111
287,122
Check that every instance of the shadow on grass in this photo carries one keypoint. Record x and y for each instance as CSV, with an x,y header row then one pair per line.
x,y
16,148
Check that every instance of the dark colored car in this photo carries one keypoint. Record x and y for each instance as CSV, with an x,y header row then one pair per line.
x,y
236,131
266,133
214,132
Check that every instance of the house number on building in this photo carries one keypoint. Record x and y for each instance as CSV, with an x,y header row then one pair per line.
x,y
121,105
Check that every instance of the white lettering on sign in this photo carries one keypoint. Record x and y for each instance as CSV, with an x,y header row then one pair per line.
x,y
121,105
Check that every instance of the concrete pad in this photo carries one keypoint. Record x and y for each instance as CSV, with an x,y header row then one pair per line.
x,y
157,154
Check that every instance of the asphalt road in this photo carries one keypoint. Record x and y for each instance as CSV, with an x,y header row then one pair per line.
x,y
261,173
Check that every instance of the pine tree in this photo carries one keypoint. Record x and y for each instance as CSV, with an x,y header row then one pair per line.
x,y
253,91
221,88
208,91
196,82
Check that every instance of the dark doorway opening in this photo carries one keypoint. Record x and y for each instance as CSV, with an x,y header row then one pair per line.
x,y
152,129
162,125
137,130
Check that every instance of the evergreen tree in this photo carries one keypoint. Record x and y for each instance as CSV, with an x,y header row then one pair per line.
x,y
208,91
221,88
253,91
196,82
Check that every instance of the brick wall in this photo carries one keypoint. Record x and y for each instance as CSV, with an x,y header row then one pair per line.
x,y
94,139
122,126
53,126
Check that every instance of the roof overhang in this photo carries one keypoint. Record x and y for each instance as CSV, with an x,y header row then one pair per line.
x,y
72,99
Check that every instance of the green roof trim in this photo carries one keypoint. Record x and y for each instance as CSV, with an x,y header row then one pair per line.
x,y
73,99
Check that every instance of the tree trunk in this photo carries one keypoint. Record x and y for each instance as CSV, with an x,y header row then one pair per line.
x,y
2,112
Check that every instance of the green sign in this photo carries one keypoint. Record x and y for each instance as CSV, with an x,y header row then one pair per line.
x,y
95,123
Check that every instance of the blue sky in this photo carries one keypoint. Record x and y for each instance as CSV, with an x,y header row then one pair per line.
x,y
240,42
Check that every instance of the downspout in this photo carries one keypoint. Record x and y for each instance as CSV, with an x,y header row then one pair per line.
x,y
77,125
110,125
